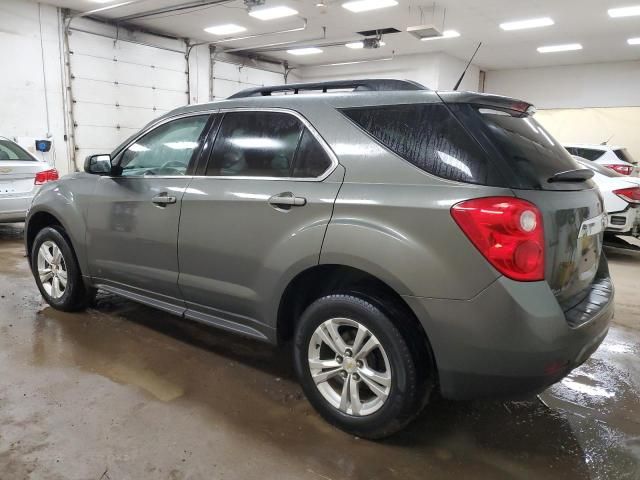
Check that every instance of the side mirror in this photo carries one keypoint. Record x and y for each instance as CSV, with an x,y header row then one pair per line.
x,y
98,164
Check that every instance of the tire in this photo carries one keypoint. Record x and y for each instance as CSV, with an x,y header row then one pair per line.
x,y
72,297
398,394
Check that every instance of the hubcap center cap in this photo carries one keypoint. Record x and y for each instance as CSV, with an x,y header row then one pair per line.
x,y
350,365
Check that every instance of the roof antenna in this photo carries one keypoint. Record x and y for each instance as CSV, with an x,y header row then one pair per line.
x,y
606,142
466,68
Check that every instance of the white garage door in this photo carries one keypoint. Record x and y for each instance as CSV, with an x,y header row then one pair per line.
x,y
118,87
229,78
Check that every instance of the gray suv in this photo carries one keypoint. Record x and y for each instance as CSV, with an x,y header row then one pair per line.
x,y
405,240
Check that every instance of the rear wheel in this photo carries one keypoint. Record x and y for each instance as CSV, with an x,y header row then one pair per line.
x,y
356,368
56,271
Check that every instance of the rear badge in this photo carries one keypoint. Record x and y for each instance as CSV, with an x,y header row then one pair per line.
x,y
593,226
5,170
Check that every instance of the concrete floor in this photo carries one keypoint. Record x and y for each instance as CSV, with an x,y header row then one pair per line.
x,y
126,392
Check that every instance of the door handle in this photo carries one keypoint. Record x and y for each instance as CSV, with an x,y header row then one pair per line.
x,y
287,200
164,200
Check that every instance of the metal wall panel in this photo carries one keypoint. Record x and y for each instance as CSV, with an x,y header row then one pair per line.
x,y
118,87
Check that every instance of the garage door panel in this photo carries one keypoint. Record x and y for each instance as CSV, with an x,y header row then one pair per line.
x,y
112,116
229,78
114,99
94,45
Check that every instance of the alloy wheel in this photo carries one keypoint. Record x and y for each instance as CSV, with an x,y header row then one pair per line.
x,y
52,269
349,366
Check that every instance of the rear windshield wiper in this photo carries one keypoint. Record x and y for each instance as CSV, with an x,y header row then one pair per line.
x,y
578,175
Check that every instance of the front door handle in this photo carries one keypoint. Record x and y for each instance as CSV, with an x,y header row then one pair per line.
x,y
287,200
164,200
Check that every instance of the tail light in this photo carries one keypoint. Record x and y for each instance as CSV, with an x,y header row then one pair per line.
x,y
508,232
621,169
631,195
46,176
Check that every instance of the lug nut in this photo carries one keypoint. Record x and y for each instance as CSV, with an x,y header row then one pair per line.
x,y
339,359
343,373
359,363
348,352
356,377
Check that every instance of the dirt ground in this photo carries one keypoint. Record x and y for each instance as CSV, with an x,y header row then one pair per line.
x,y
126,392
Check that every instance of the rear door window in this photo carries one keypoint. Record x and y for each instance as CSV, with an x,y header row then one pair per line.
x,y
255,144
429,137
312,159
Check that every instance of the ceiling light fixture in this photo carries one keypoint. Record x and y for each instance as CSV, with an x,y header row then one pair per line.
x,y
524,24
358,45
358,6
354,62
624,11
304,51
634,41
272,13
227,29
445,34
560,48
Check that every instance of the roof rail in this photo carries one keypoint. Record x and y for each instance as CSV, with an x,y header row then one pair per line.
x,y
365,85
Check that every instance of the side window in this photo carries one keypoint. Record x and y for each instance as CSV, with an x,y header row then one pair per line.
x,y
429,137
166,150
572,150
311,160
590,153
255,144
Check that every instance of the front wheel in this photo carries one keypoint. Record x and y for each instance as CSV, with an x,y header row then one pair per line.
x,y
356,368
56,271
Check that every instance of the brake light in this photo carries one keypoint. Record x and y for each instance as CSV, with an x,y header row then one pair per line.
x,y
46,176
508,232
631,195
621,169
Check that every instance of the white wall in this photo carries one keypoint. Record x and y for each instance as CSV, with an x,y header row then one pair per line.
x,y
580,103
572,86
29,32
434,70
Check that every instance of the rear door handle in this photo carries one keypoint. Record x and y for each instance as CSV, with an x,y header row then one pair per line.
x,y
164,199
287,200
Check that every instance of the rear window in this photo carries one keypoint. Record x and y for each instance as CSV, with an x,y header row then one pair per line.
x,y
624,155
429,137
522,146
12,151
588,153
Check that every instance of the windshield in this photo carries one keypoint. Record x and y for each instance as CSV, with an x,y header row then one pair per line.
x,y
624,155
12,151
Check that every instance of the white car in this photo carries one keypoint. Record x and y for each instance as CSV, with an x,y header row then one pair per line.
x,y
621,196
615,158
21,175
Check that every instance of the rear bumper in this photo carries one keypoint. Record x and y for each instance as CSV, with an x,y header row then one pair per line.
x,y
14,208
512,340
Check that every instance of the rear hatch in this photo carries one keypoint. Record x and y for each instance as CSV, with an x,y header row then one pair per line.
x,y
531,161
17,170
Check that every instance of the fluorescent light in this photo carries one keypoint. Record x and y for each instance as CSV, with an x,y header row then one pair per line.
x,y
445,34
634,41
356,45
560,48
365,5
523,24
304,51
227,29
272,13
624,11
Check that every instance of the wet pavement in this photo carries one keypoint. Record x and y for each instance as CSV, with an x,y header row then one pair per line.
x,y
126,392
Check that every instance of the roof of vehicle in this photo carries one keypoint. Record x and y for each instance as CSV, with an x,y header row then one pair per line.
x,y
592,146
345,93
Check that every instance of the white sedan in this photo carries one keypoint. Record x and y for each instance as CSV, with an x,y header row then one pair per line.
x,y
621,194
21,175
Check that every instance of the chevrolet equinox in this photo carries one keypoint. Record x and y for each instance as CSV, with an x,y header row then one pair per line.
x,y
405,240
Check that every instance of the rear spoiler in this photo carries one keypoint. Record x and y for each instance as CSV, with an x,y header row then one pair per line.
x,y
489,100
